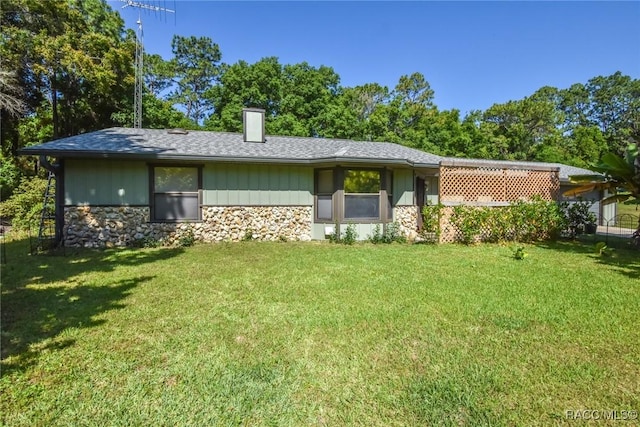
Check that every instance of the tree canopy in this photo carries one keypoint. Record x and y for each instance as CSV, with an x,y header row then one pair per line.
x,y
67,68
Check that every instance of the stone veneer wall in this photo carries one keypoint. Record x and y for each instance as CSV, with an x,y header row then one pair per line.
x,y
407,218
91,226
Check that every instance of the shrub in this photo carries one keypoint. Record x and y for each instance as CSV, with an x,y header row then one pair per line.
x,y
390,234
522,221
187,239
350,235
393,233
431,215
501,224
145,242
578,217
9,176
24,207
519,253
470,221
248,235
536,220
335,236
349,238
431,218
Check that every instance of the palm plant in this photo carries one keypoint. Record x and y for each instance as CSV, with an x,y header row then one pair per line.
x,y
620,175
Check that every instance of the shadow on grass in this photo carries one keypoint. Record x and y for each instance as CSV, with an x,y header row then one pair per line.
x,y
45,295
621,260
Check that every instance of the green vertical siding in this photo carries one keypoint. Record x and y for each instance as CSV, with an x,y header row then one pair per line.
x,y
106,182
403,183
257,185
117,182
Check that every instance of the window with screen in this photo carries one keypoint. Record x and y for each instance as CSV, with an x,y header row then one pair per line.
x,y
353,195
175,193
362,194
324,194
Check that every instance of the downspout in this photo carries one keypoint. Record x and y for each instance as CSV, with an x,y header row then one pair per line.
x,y
58,170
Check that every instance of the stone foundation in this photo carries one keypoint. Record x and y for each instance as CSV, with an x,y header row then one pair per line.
x,y
255,222
89,226
94,227
407,218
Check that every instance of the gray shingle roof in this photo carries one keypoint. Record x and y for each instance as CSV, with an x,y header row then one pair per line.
x,y
566,171
222,146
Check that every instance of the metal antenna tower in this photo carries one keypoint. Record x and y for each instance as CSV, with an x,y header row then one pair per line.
x,y
139,60
139,64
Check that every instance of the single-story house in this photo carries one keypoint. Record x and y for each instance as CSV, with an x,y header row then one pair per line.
x,y
119,185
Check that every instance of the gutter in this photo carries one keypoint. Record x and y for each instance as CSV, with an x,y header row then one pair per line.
x,y
44,162
78,154
501,164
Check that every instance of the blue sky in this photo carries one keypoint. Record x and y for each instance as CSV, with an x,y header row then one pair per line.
x,y
473,54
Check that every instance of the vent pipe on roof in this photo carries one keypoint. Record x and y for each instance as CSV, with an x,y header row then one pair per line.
x,y
178,131
253,124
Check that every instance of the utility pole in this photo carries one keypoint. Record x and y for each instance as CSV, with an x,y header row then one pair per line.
x,y
139,59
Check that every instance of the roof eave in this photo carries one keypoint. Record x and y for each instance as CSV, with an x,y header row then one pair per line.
x,y
502,164
80,154
566,180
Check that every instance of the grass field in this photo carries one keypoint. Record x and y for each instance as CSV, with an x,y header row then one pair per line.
x,y
627,216
628,209
317,334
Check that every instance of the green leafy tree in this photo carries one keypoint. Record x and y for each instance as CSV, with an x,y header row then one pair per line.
x,y
480,139
71,58
445,134
71,71
242,85
615,108
358,113
157,114
196,63
159,74
586,143
306,92
619,175
411,103
295,97
572,126
575,104
609,104
523,125
85,69
338,120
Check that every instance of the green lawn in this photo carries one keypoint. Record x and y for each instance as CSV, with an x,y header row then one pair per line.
x,y
628,209
318,334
